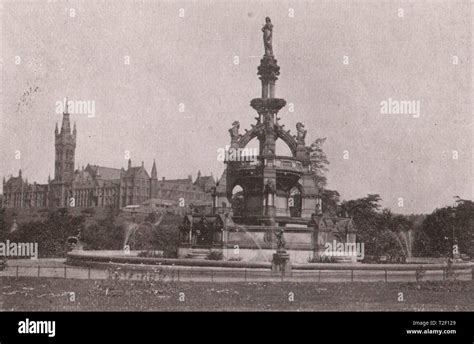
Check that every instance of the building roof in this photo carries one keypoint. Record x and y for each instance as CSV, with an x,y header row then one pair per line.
x,y
133,172
186,181
17,184
104,173
335,224
14,183
84,179
37,187
205,182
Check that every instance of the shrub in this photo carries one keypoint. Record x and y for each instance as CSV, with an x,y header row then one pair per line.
x,y
88,211
450,271
151,254
420,273
51,234
236,259
322,259
215,255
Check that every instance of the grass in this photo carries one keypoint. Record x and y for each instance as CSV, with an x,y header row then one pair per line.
x,y
49,294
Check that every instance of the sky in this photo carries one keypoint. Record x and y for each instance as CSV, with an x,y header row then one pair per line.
x,y
168,78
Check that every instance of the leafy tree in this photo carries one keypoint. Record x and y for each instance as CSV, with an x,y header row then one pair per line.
x,y
3,225
318,162
151,217
449,225
51,234
365,214
102,237
382,232
330,201
88,211
106,234
422,244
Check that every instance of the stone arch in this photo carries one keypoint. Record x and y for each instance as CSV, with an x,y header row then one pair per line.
x,y
256,130
250,135
282,149
237,199
286,137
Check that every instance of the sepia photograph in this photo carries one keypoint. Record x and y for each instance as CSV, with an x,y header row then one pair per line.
x,y
237,156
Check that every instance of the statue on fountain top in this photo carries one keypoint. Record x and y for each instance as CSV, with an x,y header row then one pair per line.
x,y
267,30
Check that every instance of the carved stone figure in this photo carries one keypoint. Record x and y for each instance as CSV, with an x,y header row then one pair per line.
x,y
267,30
234,131
301,132
269,187
280,240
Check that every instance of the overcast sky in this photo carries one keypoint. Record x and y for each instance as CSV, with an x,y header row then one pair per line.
x,y
403,51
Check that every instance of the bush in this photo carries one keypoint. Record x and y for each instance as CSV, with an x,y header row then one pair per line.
x,y
215,255
166,236
50,234
88,211
420,273
450,271
151,254
235,259
103,237
322,259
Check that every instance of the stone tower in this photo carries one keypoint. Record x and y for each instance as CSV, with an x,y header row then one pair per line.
x,y
154,181
65,147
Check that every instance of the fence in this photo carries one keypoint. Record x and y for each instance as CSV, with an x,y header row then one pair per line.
x,y
192,274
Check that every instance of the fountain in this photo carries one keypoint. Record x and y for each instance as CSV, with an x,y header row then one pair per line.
x,y
404,239
260,250
407,238
268,184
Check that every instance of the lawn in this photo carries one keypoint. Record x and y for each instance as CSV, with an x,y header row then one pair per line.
x,y
51,294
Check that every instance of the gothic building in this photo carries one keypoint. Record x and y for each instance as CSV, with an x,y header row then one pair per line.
x,y
98,186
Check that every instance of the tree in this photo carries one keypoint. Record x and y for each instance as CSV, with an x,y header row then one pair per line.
x,y
51,234
365,214
106,234
448,226
3,225
330,201
318,162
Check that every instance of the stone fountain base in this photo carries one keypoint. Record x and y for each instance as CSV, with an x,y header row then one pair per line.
x,y
281,262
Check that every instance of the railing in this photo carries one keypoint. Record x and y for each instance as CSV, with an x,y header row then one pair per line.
x,y
290,164
201,274
283,163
